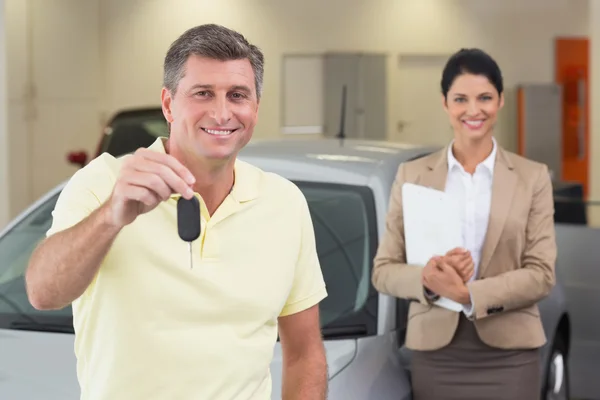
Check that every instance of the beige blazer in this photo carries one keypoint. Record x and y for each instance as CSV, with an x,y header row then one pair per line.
x,y
517,262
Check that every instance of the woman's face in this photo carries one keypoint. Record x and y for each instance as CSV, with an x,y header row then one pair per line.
x,y
472,104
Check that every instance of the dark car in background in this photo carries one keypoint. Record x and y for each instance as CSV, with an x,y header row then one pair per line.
x,y
125,132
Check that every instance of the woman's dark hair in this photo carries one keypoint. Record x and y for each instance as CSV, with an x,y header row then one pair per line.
x,y
471,61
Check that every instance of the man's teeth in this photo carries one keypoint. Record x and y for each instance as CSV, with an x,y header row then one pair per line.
x,y
221,133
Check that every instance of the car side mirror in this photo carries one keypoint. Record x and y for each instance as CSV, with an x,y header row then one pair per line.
x,y
78,158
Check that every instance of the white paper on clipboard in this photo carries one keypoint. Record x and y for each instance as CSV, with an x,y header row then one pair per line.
x,y
432,227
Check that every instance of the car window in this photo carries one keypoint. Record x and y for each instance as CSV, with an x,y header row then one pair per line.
x,y
128,133
346,238
15,250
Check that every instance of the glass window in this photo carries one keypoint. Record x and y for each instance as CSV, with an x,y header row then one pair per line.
x,y
131,131
15,250
346,235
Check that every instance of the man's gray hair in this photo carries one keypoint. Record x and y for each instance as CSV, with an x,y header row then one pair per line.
x,y
215,42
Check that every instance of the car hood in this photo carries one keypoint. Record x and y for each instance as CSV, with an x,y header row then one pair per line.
x,y
35,364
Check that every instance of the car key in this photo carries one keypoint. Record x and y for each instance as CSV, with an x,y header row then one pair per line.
x,y
188,221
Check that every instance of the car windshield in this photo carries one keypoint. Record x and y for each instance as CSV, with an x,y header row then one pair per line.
x,y
15,249
346,234
345,231
132,130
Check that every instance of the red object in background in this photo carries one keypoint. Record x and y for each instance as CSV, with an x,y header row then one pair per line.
x,y
572,72
77,157
126,131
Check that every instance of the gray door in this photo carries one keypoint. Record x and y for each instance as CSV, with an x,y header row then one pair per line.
x,y
364,76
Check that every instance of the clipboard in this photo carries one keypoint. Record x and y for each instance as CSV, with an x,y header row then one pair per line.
x,y
432,226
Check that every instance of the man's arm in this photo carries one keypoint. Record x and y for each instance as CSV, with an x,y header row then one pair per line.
x,y
84,226
64,264
304,361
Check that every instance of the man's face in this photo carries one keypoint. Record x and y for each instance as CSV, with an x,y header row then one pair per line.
x,y
214,110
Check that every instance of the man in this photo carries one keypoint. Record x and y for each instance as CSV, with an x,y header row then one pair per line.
x,y
150,326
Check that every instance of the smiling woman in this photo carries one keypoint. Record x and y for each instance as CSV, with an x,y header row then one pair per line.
x,y
506,212
472,94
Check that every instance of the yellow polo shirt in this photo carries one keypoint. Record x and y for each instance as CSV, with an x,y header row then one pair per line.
x,y
149,327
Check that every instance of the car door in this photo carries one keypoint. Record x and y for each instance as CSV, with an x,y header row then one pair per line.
x,y
578,269
36,347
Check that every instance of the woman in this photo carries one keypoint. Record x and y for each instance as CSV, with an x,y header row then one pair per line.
x,y
490,350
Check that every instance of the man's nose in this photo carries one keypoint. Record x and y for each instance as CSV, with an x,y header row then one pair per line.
x,y
220,111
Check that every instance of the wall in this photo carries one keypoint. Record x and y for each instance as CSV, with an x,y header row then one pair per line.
x,y
71,62
53,91
519,34
18,143
4,173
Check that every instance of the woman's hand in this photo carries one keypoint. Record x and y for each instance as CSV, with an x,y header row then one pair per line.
x,y
442,279
460,259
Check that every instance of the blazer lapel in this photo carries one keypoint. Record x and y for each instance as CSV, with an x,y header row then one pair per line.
x,y
437,171
503,191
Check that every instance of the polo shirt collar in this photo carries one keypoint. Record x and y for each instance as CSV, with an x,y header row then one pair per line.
x,y
246,186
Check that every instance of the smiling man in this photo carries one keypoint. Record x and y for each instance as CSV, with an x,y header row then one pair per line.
x,y
147,325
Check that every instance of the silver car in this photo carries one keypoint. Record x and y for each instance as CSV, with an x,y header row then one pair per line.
x,y
347,185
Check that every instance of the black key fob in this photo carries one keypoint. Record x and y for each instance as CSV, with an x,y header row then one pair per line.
x,y
188,219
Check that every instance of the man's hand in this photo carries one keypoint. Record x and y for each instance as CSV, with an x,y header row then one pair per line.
x,y
442,279
146,179
460,259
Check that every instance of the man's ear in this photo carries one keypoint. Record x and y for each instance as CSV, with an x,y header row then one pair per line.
x,y
166,100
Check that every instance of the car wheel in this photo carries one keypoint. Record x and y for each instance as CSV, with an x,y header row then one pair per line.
x,y
556,385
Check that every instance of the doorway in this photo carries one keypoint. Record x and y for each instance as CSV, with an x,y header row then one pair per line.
x,y
420,117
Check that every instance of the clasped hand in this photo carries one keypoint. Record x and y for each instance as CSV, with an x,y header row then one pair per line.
x,y
446,275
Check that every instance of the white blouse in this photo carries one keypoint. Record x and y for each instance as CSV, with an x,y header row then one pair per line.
x,y
474,193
